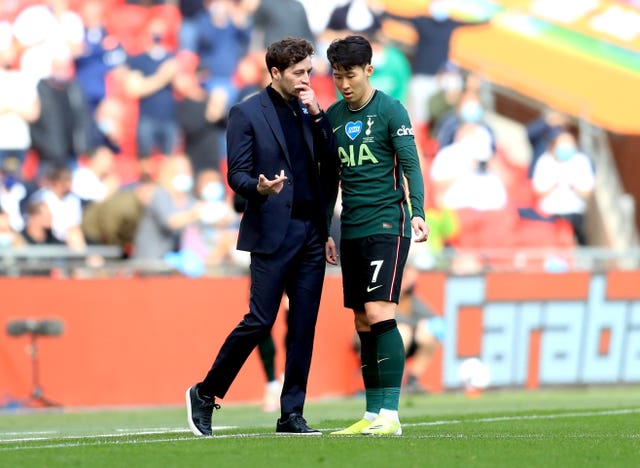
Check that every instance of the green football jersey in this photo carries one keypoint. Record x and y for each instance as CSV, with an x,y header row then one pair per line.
x,y
376,148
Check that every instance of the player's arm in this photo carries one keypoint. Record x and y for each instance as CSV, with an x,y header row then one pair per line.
x,y
404,145
408,157
241,173
405,148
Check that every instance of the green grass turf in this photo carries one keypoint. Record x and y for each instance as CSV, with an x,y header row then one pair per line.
x,y
551,428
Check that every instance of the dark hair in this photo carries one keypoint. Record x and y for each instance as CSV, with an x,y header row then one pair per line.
x,y
57,172
352,51
34,206
286,52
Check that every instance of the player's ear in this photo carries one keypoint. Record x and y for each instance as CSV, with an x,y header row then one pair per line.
x,y
368,70
275,73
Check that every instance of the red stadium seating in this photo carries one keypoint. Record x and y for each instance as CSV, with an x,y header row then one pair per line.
x,y
127,22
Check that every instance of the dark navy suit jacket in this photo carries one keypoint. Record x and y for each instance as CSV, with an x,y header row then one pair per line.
x,y
256,145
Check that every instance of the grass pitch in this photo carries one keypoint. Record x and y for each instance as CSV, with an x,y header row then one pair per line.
x,y
595,427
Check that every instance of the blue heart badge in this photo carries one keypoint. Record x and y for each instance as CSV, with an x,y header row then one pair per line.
x,y
353,129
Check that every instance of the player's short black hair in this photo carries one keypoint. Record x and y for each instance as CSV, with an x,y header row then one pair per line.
x,y
286,52
352,51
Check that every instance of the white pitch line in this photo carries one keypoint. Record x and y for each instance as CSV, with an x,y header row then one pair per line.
x,y
120,433
109,438
121,430
526,417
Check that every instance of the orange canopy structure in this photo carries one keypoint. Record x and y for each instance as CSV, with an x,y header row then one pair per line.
x,y
578,84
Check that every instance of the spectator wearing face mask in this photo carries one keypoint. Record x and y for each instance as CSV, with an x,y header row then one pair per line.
x,y
443,102
171,209
540,131
469,110
563,179
149,80
213,237
463,175
98,54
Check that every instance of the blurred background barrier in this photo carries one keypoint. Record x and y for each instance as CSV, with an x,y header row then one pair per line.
x,y
534,270
140,341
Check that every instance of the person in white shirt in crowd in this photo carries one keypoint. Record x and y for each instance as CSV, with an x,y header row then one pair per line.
x,y
65,207
172,208
563,179
462,172
44,31
19,104
9,238
469,109
96,180
12,193
37,229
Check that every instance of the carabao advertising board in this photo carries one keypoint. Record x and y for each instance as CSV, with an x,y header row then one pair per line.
x,y
535,330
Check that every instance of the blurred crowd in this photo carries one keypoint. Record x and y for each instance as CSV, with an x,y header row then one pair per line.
x,y
113,119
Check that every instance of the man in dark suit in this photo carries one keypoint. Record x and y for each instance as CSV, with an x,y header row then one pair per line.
x,y
282,160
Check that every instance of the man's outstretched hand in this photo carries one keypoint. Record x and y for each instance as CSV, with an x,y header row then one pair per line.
x,y
271,187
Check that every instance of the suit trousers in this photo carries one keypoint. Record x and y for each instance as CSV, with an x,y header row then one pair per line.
x,y
297,267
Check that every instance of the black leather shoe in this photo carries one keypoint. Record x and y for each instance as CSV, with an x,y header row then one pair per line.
x,y
295,424
199,412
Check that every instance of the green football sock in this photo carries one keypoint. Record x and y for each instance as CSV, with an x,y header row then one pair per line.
x,y
372,389
390,360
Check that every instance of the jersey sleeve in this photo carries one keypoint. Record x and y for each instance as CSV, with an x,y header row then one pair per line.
x,y
405,148
400,129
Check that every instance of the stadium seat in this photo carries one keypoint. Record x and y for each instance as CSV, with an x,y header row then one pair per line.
x,y
126,22
325,89
30,165
518,184
485,229
108,5
536,233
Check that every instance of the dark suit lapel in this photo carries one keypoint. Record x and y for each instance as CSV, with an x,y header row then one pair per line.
x,y
271,116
